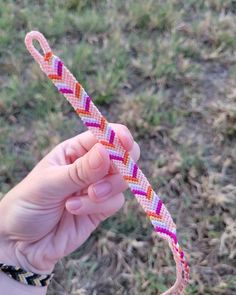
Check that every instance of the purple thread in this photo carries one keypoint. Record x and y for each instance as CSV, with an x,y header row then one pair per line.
x,y
87,104
116,157
59,68
159,205
91,124
167,232
135,170
65,90
142,193
112,136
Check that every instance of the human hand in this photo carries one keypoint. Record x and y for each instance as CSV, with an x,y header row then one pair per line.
x,y
61,202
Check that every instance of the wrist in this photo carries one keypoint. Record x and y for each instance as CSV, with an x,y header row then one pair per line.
x,y
11,286
20,282
7,253
28,255
19,254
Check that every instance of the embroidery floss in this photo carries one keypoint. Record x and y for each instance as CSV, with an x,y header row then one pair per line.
x,y
160,218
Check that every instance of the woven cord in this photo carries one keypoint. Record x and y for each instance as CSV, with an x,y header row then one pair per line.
x,y
26,277
160,218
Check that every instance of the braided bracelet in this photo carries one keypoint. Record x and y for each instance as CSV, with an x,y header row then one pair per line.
x,y
26,277
160,218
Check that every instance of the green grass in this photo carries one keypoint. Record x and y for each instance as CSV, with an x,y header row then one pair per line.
x,y
167,70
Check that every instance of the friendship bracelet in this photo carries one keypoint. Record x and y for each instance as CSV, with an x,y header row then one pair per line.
x,y
26,277
160,218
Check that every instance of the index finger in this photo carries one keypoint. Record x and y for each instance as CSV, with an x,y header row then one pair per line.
x,y
80,144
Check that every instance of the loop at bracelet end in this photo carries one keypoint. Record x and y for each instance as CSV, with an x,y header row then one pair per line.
x,y
37,36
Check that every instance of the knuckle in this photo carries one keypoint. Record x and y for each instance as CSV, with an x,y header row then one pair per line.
x,y
78,173
124,127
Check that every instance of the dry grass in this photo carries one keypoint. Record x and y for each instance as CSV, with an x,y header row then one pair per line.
x,y
167,70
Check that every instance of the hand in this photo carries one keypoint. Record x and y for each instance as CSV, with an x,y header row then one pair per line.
x,y
63,199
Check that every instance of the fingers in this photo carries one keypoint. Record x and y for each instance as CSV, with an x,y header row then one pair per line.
x,y
84,206
69,179
106,188
134,153
102,194
125,136
90,168
110,185
79,145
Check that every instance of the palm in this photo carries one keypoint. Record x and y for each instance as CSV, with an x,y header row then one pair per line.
x,y
51,225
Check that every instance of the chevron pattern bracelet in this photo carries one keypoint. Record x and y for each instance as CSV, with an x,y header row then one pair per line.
x,y
26,277
159,216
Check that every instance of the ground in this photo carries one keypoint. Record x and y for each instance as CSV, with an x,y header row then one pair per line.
x,y
167,70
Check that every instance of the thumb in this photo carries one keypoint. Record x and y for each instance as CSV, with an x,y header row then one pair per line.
x,y
90,168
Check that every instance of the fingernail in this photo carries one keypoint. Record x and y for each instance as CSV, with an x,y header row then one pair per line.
x,y
95,159
102,189
73,204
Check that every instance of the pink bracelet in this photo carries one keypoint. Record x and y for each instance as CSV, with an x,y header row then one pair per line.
x,y
160,218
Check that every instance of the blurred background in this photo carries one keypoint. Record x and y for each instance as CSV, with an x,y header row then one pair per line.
x,y
166,69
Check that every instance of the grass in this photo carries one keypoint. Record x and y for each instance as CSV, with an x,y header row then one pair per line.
x,y
167,70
